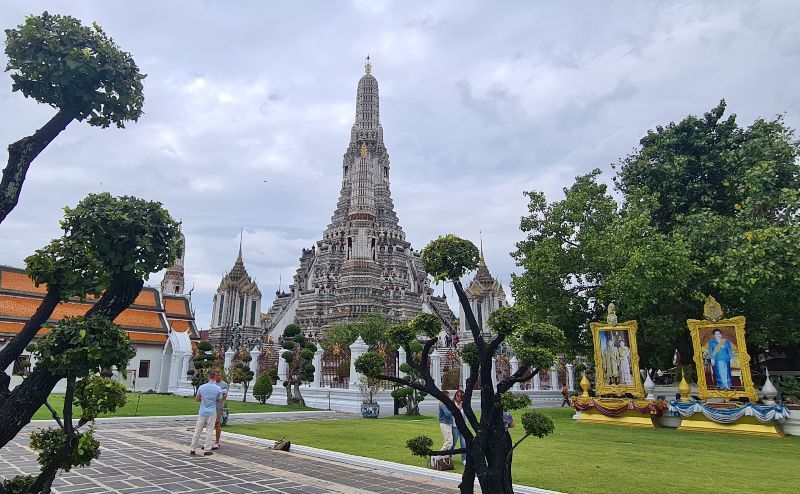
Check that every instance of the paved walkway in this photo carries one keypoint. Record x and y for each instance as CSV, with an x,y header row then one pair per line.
x,y
143,458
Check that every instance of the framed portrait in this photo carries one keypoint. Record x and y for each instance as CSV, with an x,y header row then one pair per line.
x,y
616,359
720,356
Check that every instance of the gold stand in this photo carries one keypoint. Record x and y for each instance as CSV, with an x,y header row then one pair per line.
x,y
745,425
630,418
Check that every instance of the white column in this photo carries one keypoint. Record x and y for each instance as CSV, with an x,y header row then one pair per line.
x,y
184,367
318,367
464,374
281,366
174,369
494,373
571,377
401,359
537,382
554,378
229,359
514,361
436,364
254,353
357,349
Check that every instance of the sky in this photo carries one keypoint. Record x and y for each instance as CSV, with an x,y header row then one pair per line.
x,y
248,108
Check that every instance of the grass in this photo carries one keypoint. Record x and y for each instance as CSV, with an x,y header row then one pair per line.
x,y
148,405
578,457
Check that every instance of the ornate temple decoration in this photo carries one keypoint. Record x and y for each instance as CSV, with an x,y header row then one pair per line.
x,y
173,282
363,263
236,310
485,295
616,357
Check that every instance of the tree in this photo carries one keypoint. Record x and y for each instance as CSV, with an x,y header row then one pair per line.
x,y
202,360
76,350
410,397
299,357
113,244
242,374
708,207
262,390
77,69
488,445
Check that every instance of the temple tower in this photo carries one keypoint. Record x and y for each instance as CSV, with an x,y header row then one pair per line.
x,y
173,282
236,307
363,263
485,295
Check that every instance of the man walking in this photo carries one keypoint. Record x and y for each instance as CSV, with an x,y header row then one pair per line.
x,y
209,394
220,406
565,394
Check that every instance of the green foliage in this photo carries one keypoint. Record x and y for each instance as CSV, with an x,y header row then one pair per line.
x,y
240,373
400,334
790,389
505,320
21,484
370,364
427,324
262,390
449,257
372,328
514,402
291,331
202,360
129,234
469,354
709,208
106,237
78,346
451,379
51,443
537,424
58,61
536,344
96,395
420,446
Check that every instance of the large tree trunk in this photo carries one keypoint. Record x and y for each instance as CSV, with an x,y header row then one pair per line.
x,y
298,398
22,153
17,345
20,405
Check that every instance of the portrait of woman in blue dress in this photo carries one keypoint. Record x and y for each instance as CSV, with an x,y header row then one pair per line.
x,y
720,354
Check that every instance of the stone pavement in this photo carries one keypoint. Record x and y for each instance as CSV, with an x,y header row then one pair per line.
x,y
153,457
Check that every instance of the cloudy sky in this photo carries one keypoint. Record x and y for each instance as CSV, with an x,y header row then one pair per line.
x,y
479,102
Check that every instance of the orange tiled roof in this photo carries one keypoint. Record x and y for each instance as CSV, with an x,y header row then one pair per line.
x,y
176,306
20,282
140,337
178,324
24,308
147,298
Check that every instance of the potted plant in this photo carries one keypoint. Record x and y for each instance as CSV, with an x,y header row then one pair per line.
x,y
369,388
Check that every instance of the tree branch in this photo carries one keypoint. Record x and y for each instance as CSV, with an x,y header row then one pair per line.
x,y
472,323
511,451
55,414
517,377
22,153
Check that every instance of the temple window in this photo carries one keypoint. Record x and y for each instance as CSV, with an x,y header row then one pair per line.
x,y
144,368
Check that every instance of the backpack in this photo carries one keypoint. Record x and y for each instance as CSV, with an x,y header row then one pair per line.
x,y
282,445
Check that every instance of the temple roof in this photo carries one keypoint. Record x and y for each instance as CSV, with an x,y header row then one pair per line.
x,y
148,320
238,279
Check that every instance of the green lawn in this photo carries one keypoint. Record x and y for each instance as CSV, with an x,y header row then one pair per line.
x,y
581,458
147,405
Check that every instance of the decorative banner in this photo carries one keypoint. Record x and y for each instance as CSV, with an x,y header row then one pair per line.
x,y
763,414
615,406
616,357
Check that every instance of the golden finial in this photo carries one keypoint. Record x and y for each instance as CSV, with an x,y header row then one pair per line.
x,y
585,385
368,66
363,150
684,389
611,318
712,310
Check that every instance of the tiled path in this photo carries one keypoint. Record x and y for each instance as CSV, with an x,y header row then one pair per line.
x,y
142,458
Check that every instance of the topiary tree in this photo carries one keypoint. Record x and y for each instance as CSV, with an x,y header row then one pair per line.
x,y
488,445
299,357
262,390
77,69
76,350
242,374
203,359
109,246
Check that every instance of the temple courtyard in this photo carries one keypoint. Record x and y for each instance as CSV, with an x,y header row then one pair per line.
x,y
337,452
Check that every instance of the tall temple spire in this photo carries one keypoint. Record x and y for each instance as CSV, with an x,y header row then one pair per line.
x,y
241,237
368,66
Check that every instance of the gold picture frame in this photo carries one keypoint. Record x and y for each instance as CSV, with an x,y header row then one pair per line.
x,y
738,364
607,381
